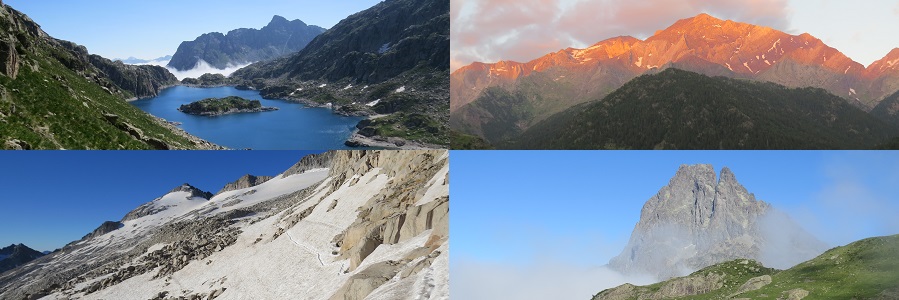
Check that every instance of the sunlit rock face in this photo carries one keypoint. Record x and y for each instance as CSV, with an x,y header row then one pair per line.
x,y
698,220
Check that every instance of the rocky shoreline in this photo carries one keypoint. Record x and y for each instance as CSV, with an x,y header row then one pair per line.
x,y
201,143
358,140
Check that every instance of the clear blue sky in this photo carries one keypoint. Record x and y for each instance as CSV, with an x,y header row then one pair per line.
x,y
50,198
519,207
151,29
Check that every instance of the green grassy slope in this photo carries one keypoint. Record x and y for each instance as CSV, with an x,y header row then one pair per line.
x,y
866,269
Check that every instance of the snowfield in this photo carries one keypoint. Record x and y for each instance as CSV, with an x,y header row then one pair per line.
x,y
288,253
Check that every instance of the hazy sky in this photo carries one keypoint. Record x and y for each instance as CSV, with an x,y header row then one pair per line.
x,y
556,217
521,30
151,29
50,198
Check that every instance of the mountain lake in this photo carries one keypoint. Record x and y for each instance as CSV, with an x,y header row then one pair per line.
x,y
293,126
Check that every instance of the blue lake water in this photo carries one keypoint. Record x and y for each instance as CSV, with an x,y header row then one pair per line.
x,y
294,126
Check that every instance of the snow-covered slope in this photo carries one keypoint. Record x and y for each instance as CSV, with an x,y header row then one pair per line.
x,y
374,225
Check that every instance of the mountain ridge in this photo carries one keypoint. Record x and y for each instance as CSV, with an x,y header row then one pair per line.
x,y
55,95
245,45
370,224
863,269
703,44
16,255
390,60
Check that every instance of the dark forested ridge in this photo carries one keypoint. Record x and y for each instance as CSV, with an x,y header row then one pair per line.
x,y
677,109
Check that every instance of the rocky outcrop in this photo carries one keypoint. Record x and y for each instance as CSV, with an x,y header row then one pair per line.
x,y
245,45
714,280
698,220
363,283
76,94
9,57
16,33
150,208
754,284
106,227
244,182
371,46
309,162
141,81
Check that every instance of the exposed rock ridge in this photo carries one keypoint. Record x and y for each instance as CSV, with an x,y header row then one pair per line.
x,y
309,162
403,199
150,208
244,182
702,44
106,227
76,95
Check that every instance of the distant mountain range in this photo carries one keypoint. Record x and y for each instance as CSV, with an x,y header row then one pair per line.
x,y
245,45
336,225
16,255
535,90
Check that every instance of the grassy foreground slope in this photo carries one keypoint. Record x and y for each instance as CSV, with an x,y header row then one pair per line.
x,y
866,269
677,109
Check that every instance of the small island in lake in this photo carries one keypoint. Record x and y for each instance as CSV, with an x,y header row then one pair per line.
x,y
222,106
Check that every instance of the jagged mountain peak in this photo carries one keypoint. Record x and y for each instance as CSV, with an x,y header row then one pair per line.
x,y
698,220
278,19
194,191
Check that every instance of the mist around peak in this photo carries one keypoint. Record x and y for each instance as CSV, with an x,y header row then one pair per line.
x,y
201,68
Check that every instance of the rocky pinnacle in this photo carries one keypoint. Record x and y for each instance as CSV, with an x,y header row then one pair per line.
x,y
698,220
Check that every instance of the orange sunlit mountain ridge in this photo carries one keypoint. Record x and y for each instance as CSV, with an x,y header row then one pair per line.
x,y
702,44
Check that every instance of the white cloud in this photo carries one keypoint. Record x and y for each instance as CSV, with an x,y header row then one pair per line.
x,y
201,68
474,280
521,30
